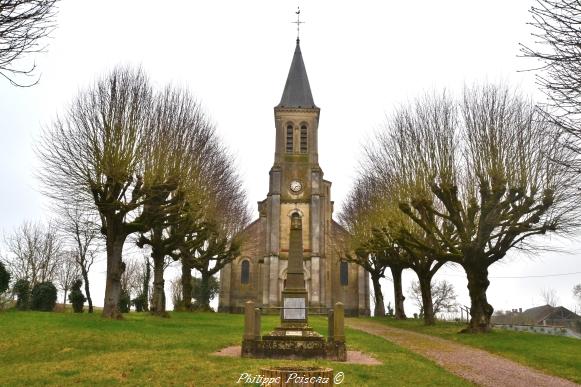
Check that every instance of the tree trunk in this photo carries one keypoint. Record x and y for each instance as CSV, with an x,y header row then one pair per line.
x,y
85,275
145,290
379,303
427,303
204,301
398,292
115,268
186,285
480,309
158,298
65,298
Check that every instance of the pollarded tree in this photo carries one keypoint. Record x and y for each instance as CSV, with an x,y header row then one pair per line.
x,y
182,146
355,217
375,249
385,250
23,26
392,165
214,212
215,242
94,156
493,184
217,250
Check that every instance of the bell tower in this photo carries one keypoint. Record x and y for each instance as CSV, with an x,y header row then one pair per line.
x,y
272,266
296,180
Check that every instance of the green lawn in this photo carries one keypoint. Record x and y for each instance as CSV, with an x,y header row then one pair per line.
x,y
64,349
560,356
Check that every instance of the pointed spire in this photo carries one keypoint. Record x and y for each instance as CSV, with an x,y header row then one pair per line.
x,y
297,91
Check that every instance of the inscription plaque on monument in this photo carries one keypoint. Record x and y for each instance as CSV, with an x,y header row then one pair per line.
x,y
294,308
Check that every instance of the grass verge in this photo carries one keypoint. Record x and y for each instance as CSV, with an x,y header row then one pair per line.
x,y
63,349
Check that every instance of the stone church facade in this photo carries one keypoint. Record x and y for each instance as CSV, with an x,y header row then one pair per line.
x,y
296,186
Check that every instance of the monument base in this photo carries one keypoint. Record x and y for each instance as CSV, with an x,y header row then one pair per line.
x,y
310,346
294,339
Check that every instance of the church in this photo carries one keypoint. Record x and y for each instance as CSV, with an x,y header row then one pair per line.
x,y
296,188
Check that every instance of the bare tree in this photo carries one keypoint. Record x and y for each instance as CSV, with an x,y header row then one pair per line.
x,y
577,293
215,212
374,245
132,277
354,217
23,25
388,171
81,231
443,296
476,179
212,241
183,147
550,297
145,281
176,291
95,156
34,252
557,35
68,272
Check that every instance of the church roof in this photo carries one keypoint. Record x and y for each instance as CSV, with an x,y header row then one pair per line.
x,y
297,91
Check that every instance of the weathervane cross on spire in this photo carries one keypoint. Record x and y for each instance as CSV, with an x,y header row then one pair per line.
x,y
298,23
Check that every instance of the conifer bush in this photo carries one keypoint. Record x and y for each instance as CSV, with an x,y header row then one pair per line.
x,y
139,302
4,278
76,297
124,302
43,297
22,291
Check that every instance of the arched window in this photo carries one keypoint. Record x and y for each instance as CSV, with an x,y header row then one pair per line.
x,y
344,273
245,272
289,139
304,139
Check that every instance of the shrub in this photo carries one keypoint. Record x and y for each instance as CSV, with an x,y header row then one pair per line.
x,y
124,302
76,297
22,291
139,302
44,297
4,278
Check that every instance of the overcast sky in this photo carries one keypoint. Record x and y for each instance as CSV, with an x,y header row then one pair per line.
x,y
362,61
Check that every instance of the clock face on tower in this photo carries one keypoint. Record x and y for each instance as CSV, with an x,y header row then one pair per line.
x,y
296,186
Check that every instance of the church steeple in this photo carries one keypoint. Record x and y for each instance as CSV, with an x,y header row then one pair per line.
x,y
297,91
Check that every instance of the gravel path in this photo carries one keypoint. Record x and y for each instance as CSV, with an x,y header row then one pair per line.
x,y
475,365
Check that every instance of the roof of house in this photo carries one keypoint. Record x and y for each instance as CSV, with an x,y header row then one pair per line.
x,y
548,312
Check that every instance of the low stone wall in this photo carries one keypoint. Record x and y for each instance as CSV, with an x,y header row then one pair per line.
x,y
545,330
